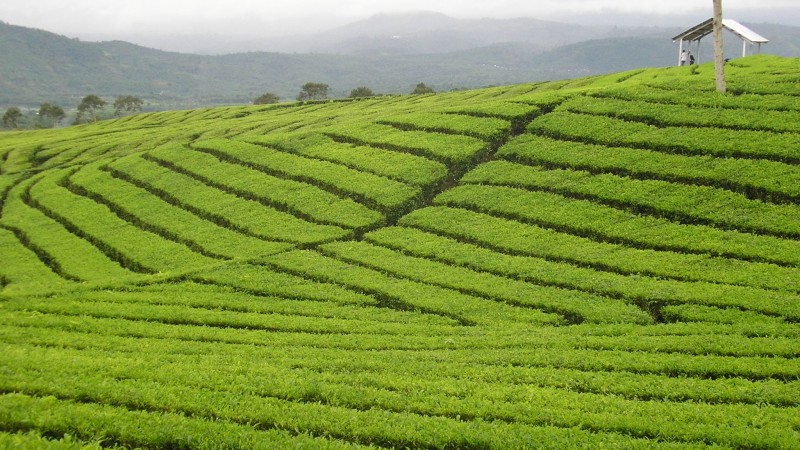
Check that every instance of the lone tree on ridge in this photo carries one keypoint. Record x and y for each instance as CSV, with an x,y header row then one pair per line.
x,y
11,117
423,89
313,91
127,104
362,91
90,105
266,99
50,115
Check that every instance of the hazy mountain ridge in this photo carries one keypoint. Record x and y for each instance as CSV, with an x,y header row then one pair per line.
x,y
38,66
410,33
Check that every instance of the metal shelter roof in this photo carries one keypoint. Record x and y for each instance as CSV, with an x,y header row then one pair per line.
x,y
701,30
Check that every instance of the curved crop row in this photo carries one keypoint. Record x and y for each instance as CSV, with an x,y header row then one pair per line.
x,y
241,215
132,427
424,334
609,224
134,248
675,201
649,292
781,147
694,98
147,210
576,305
300,404
486,128
516,238
407,294
304,200
402,167
456,151
677,115
22,271
391,197
75,256
769,181
454,356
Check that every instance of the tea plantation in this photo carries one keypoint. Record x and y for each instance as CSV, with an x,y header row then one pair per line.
x,y
607,262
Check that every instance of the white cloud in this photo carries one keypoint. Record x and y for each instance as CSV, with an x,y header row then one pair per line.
x,y
77,17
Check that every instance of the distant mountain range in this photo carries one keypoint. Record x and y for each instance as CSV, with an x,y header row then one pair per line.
x,y
421,33
389,54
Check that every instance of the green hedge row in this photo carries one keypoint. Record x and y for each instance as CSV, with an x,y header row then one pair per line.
x,y
132,247
486,128
592,129
516,238
241,215
453,150
694,98
221,401
305,200
508,110
403,167
770,181
368,414
148,211
573,304
389,196
421,333
137,428
610,224
679,202
634,289
22,271
679,115
405,294
74,256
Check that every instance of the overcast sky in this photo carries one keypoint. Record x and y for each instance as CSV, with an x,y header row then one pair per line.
x,y
109,18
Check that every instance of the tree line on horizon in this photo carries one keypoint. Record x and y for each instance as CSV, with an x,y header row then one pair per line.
x,y
91,106
88,110
312,91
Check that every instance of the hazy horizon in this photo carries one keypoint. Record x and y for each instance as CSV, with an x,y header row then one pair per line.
x,y
182,25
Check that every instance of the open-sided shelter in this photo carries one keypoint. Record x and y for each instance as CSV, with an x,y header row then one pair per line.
x,y
699,31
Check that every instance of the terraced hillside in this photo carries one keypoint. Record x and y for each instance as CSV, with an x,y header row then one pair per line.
x,y
603,262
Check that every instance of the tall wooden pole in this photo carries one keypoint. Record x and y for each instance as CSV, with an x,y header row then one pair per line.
x,y
719,59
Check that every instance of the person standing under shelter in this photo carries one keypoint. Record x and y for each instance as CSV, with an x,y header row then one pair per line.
x,y
684,57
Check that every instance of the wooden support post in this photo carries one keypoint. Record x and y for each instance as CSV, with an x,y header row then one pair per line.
x,y
719,58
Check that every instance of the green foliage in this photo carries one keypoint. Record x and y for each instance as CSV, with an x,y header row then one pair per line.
x,y
383,194
422,88
606,262
89,107
662,115
245,216
127,104
266,98
486,128
530,240
50,115
404,167
683,140
313,203
11,117
770,181
313,91
682,203
608,223
362,91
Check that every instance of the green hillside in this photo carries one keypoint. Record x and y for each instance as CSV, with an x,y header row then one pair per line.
x,y
607,262
38,67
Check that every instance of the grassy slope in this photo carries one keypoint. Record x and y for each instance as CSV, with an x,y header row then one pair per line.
x,y
610,261
38,67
